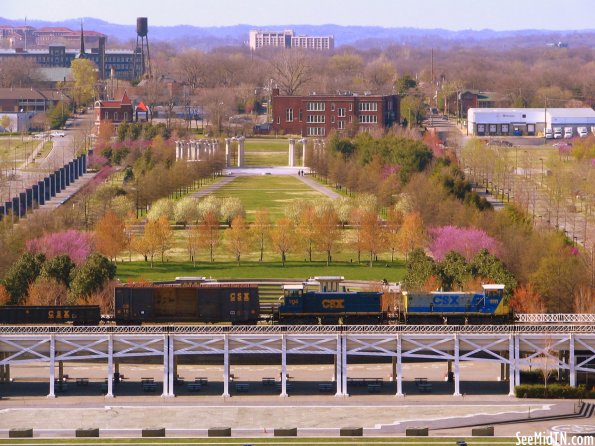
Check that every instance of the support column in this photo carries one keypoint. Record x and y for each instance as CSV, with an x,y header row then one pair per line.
x,y
171,367
511,365
283,365
303,153
178,157
110,367
7,373
502,372
571,363
52,394
227,152
291,152
399,367
457,368
240,151
517,361
344,366
338,368
225,366
165,365
60,371
393,374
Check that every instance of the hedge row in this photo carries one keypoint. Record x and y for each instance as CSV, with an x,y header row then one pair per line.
x,y
553,391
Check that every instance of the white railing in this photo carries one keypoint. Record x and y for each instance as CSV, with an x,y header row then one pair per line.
x,y
556,318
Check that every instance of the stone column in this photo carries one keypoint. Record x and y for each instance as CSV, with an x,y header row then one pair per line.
x,y
457,368
240,151
225,366
291,152
303,153
227,152
283,365
338,368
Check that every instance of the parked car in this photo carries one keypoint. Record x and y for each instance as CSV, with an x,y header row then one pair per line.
x,y
57,133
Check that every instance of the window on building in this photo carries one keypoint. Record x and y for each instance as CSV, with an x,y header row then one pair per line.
x,y
315,131
315,106
350,107
278,119
300,115
289,115
315,119
368,106
332,107
106,116
368,119
341,125
341,112
333,119
115,116
125,116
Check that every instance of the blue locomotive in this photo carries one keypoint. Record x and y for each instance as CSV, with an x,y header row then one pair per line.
x,y
487,307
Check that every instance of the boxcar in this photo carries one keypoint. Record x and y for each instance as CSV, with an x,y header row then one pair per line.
x,y
67,314
209,303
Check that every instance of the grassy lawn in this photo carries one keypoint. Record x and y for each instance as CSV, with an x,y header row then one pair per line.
x,y
267,191
271,441
15,148
292,270
266,152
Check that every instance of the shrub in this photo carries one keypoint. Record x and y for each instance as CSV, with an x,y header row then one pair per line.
x,y
552,391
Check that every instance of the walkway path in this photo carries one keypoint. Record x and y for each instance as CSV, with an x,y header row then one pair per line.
x,y
212,187
319,187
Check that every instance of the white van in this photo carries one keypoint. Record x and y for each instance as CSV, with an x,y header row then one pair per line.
x,y
557,132
582,131
567,132
549,134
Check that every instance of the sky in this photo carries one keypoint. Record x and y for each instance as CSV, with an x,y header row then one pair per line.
x,y
448,14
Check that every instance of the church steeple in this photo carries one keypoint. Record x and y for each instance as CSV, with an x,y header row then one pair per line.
x,y
82,39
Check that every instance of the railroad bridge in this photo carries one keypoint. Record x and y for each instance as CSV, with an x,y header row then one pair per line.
x,y
566,344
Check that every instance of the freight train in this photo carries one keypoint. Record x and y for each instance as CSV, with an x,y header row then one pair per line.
x,y
193,300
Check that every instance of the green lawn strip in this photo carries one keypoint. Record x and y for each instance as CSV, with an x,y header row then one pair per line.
x,y
267,192
266,159
15,148
268,441
266,145
229,270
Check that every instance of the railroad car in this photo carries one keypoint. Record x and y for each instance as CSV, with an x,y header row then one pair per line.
x,y
487,307
330,305
42,315
186,303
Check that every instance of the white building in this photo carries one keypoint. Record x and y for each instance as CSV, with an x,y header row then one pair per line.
x,y
288,39
526,121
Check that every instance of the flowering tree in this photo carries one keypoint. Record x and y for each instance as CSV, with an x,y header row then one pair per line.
x,y
75,244
466,241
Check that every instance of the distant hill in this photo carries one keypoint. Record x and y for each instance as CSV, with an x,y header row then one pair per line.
x,y
356,36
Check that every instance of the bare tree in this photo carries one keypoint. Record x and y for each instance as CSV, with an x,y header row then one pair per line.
x,y
291,70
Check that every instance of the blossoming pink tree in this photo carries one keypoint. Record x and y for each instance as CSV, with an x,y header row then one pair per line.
x,y
466,241
75,244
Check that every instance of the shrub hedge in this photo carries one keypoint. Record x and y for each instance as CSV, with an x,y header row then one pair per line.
x,y
553,391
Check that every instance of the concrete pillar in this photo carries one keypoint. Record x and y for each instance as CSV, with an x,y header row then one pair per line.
x,y
227,152
503,376
47,189
344,368
60,371
240,151
399,367
571,361
178,150
22,204
393,374
303,153
110,367
171,367
457,368
66,174
291,152
511,365
41,192
517,361
52,394
165,365
225,366
338,368
283,365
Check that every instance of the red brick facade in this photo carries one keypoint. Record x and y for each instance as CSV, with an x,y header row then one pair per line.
x,y
318,115
114,111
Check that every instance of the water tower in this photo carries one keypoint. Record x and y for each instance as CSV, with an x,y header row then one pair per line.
x,y
142,29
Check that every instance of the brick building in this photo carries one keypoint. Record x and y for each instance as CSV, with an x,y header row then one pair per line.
x,y
30,99
288,39
114,111
318,115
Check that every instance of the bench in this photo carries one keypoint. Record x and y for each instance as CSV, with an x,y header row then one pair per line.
x,y
279,385
242,387
194,387
149,386
201,380
325,387
268,381
82,381
361,382
373,388
425,387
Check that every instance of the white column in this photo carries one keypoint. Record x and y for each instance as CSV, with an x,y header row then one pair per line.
x,y
291,152
571,364
517,361
178,150
511,365
227,152
171,368
303,153
338,368
240,151
225,366
399,368
165,365
344,366
457,368
52,366
110,367
283,365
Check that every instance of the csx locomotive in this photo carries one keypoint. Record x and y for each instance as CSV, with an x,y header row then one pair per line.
x,y
199,301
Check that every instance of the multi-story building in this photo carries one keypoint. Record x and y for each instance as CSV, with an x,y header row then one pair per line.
x,y
288,39
318,115
114,111
30,99
28,37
